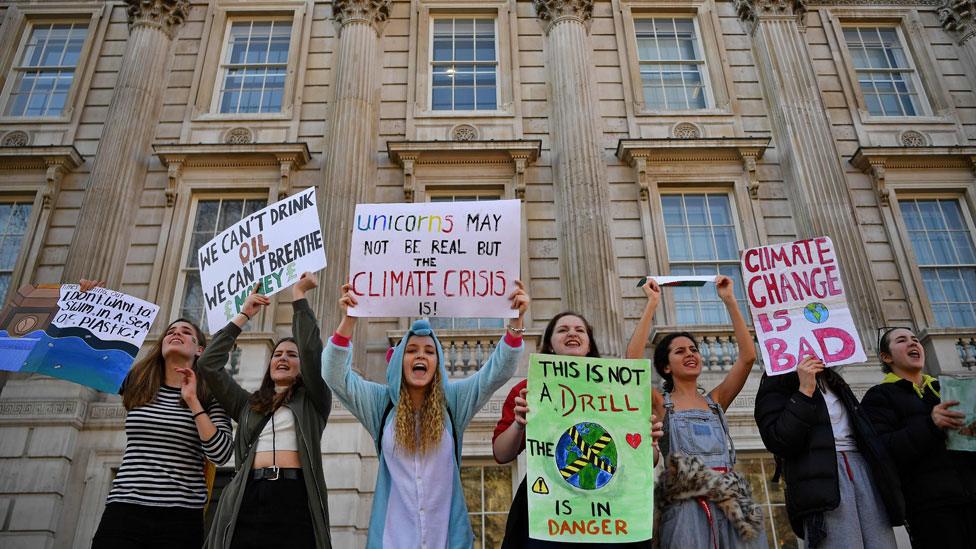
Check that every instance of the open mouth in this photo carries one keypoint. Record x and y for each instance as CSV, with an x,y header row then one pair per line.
x,y
914,353
282,367
572,343
419,368
690,364
175,340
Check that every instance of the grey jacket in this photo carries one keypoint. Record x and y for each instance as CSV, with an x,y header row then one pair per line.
x,y
310,405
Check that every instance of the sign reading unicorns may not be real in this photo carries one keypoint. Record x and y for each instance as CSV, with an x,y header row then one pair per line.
x,y
797,300
590,457
451,259
273,246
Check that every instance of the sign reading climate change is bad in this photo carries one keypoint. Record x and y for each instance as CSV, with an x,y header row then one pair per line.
x,y
273,246
590,457
453,259
798,305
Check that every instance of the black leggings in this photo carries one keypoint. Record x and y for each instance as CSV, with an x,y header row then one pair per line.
x,y
127,525
274,513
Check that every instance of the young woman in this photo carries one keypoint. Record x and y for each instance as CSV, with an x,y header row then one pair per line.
x,y
278,496
417,420
939,485
704,502
569,334
171,427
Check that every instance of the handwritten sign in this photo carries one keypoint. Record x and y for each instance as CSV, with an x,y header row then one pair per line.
x,y
273,246
798,304
684,281
91,338
590,457
454,259
963,390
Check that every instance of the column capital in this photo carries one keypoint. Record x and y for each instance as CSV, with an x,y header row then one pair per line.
x,y
751,11
554,11
372,12
959,18
165,15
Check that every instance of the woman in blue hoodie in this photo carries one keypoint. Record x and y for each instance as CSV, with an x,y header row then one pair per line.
x,y
418,500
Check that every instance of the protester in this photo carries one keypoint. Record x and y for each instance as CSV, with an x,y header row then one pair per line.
x,y
160,490
703,502
278,496
567,334
418,501
939,485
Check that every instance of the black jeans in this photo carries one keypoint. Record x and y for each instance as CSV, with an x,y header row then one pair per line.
x,y
127,525
951,527
274,513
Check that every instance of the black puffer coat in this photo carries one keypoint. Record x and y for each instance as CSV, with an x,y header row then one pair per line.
x,y
796,428
931,475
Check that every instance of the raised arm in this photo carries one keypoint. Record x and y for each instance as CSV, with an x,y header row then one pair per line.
x,y
729,388
306,331
638,341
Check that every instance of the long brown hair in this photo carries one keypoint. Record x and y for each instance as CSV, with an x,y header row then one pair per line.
x,y
266,400
142,383
430,418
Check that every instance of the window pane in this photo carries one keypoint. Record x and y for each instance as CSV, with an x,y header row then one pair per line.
x,y
663,44
884,72
13,227
45,71
257,61
457,83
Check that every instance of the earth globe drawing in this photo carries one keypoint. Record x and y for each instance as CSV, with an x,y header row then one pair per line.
x,y
586,456
816,313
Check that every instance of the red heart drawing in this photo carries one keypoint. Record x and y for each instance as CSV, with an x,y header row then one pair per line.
x,y
634,439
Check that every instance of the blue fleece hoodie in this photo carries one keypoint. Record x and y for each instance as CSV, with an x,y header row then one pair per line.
x,y
368,401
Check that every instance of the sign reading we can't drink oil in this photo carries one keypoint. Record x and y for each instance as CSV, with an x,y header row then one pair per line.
x,y
589,454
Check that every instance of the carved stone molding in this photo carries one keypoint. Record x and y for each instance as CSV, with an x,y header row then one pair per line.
x,y
554,11
876,161
45,412
56,161
166,15
239,136
912,138
372,12
959,18
685,130
16,138
751,11
464,132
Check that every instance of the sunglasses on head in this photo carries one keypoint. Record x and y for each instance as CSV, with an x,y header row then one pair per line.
x,y
885,330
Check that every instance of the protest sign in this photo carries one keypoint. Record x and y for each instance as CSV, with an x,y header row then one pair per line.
x,y
963,390
589,453
90,338
453,259
683,281
273,246
798,305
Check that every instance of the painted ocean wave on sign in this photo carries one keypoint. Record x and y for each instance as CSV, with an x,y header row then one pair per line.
x,y
69,358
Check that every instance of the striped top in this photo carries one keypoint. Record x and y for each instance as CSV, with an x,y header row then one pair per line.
x,y
163,461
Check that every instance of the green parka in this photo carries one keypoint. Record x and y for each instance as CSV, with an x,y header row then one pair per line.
x,y
310,405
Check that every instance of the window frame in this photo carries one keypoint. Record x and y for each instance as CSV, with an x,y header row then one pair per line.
x,y
431,63
703,65
34,233
481,464
223,62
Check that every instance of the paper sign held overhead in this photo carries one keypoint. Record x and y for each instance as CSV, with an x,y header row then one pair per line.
x,y
273,246
685,280
799,306
451,259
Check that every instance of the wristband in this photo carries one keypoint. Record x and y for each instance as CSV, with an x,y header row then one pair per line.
x,y
514,330
199,413
247,316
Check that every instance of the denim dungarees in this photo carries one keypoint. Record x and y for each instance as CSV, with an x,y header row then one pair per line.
x,y
697,523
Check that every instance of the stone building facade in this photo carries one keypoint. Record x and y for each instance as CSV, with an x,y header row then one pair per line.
x,y
642,136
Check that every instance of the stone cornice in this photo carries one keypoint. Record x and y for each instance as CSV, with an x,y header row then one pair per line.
x,y
554,11
751,11
372,12
463,152
165,15
39,157
959,18
43,412
225,155
875,161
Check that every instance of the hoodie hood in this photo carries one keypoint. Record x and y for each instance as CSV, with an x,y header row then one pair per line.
x,y
394,369
927,383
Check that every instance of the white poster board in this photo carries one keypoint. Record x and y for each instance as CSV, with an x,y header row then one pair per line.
x,y
798,305
451,259
273,246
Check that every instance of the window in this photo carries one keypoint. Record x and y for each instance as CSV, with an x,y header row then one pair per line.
x,y
942,239
211,218
444,323
702,240
43,77
254,67
13,227
464,64
488,493
758,469
885,72
672,65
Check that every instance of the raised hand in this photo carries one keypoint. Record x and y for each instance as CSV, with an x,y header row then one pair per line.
x,y
520,299
653,292
254,302
87,284
305,283
521,407
723,287
808,369
348,298
188,387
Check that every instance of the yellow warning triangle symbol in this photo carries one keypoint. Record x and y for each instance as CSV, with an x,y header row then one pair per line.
x,y
539,486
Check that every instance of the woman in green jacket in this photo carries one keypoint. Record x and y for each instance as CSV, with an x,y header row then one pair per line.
x,y
278,496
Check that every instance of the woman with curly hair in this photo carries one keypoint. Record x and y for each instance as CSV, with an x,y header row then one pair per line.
x,y
417,420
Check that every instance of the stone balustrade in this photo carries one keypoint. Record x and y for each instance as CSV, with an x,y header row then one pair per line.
x,y
716,345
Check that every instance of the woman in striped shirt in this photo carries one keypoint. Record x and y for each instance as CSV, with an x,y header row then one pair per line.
x,y
171,427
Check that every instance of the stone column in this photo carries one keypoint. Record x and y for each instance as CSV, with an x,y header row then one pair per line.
x,y
350,167
587,262
812,168
108,212
958,17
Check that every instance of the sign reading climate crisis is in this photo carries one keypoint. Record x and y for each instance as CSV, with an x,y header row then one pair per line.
x,y
589,453
798,305
453,259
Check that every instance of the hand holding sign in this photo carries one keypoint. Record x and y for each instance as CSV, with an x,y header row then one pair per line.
x,y
306,282
254,302
807,370
947,419
724,288
86,284
520,302
521,407
653,292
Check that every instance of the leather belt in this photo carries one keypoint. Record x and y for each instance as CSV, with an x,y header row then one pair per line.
x,y
275,473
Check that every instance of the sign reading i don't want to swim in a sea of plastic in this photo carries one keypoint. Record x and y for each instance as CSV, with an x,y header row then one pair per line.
x,y
589,453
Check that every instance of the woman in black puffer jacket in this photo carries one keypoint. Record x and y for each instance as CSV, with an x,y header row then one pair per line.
x,y
841,486
939,484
